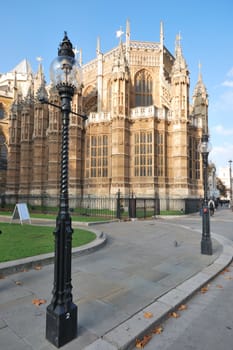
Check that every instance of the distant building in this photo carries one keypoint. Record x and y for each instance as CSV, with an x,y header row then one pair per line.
x,y
141,136
213,192
19,79
224,176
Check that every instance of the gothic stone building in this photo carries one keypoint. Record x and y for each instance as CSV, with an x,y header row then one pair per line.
x,y
141,135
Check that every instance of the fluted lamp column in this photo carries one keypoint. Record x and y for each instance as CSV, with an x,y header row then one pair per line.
x,y
230,176
206,242
61,316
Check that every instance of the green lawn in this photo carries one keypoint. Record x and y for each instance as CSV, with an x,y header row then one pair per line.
x,y
171,212
20,241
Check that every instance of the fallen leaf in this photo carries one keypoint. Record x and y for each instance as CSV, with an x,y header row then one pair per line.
x,y
18,283
158,330
37,268
38,302
141,343
219,286
225,270
182,307
174,314
228,277
204,289
148,314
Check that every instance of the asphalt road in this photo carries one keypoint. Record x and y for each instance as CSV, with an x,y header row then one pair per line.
x,y
207,321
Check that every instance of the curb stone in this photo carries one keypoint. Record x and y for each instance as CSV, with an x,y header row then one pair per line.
x,y
11,267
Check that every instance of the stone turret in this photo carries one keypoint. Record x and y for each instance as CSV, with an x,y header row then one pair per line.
x,y
41,120
200,102
120,115
99,77
180,115
180,84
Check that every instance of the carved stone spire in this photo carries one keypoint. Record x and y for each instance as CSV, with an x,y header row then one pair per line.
x,y
127,40
99,76
161,34
161,50
200,88
98,46
120,66
180,63
200,101
40,77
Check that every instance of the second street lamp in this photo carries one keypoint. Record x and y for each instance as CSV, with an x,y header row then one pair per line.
x,y
61,316
206,243
230,176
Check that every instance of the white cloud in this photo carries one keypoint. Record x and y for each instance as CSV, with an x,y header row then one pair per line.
x,y
223,103
220,155
228,83
230,72
219,129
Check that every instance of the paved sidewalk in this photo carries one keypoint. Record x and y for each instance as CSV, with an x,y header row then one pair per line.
x,y
144,266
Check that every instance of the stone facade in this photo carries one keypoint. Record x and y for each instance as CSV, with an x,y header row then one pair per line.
x,y
141,135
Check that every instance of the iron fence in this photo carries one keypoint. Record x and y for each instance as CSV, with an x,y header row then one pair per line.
x,y
119,206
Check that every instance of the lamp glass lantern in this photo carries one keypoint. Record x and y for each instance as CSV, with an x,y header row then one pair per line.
x,y
205,146
65,70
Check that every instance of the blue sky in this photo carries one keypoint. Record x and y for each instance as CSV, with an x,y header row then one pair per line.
x,y
31,29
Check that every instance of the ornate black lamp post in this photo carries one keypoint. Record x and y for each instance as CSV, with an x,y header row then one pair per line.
x,y
230,175
206,243
61,317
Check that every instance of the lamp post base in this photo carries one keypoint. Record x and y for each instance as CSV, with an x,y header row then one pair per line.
x,y
206,247
61,324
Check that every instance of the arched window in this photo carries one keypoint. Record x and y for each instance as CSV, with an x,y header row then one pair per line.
x,y
2,111
99,156
109,98
143,153
90,99
3,153
143,89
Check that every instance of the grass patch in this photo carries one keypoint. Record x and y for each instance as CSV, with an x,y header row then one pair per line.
x,y
171,212
20,241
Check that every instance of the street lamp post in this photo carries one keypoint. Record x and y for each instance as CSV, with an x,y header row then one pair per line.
x,y
61,316
206,243
230,175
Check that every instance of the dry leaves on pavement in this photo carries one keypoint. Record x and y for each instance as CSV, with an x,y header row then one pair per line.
x,y
182,307
174,314
18,283
225,270
141,343
38,302
148,314
158,330
228,278
205,289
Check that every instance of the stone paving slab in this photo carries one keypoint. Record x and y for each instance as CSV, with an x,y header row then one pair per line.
x,y
124,336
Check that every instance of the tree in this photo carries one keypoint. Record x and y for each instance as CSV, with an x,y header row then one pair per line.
x,y
221,187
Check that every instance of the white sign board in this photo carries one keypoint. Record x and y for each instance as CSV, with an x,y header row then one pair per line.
x,y
21,213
